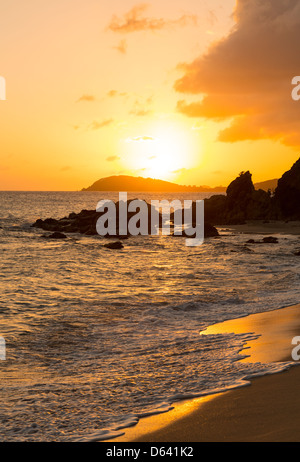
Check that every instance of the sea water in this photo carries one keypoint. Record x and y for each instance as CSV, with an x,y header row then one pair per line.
x,y
97,338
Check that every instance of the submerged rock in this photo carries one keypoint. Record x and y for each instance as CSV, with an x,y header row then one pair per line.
x,y
265,240
114,245
56,235
270,240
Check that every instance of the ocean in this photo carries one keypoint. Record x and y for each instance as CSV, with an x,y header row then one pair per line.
x,y
98,338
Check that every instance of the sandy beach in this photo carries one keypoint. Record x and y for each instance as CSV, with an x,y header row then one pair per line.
x,y
266,410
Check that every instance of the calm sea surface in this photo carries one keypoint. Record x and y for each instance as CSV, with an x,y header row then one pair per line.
x,y
98,338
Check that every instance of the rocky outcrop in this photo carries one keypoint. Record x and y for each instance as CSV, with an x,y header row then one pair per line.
x,y
85,223
287,194
242,202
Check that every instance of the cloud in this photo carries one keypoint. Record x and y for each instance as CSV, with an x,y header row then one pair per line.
x,y
135,21
246,77
97,125
66,168
140,138
140,112
180,170
88,98
212,18
122,47
143,138
141,108
113,93
112,158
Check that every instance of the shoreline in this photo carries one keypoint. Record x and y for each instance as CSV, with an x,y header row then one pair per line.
x,y
262,409
265,228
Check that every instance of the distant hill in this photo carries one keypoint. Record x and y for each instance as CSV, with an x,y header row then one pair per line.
x,y
266,185
131,183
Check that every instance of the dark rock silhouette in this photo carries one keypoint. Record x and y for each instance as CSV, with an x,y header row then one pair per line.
x,y
56,235
114,245
270,240
85,223
242,202
265,240
209,231
287,194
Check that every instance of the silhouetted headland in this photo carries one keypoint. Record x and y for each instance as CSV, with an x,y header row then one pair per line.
x,y
134,184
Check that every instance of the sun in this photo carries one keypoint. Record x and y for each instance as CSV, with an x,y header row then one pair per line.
x,y
162,153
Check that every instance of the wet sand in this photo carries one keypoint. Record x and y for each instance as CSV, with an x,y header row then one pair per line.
x,y
267,410
267,228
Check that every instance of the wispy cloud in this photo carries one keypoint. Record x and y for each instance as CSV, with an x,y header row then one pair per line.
x,y
139,109
87,98
112,158
114,93
143,138
140,139
122,47
180,170
135,21
95,125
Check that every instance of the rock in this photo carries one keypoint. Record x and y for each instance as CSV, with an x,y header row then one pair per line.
x,y
241,203
85,222
266,240
114,245
56,235
270,240
297,253
210,231
240,190
287,194
215,209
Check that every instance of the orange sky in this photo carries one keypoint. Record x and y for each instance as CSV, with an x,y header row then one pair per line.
x,y
182,91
